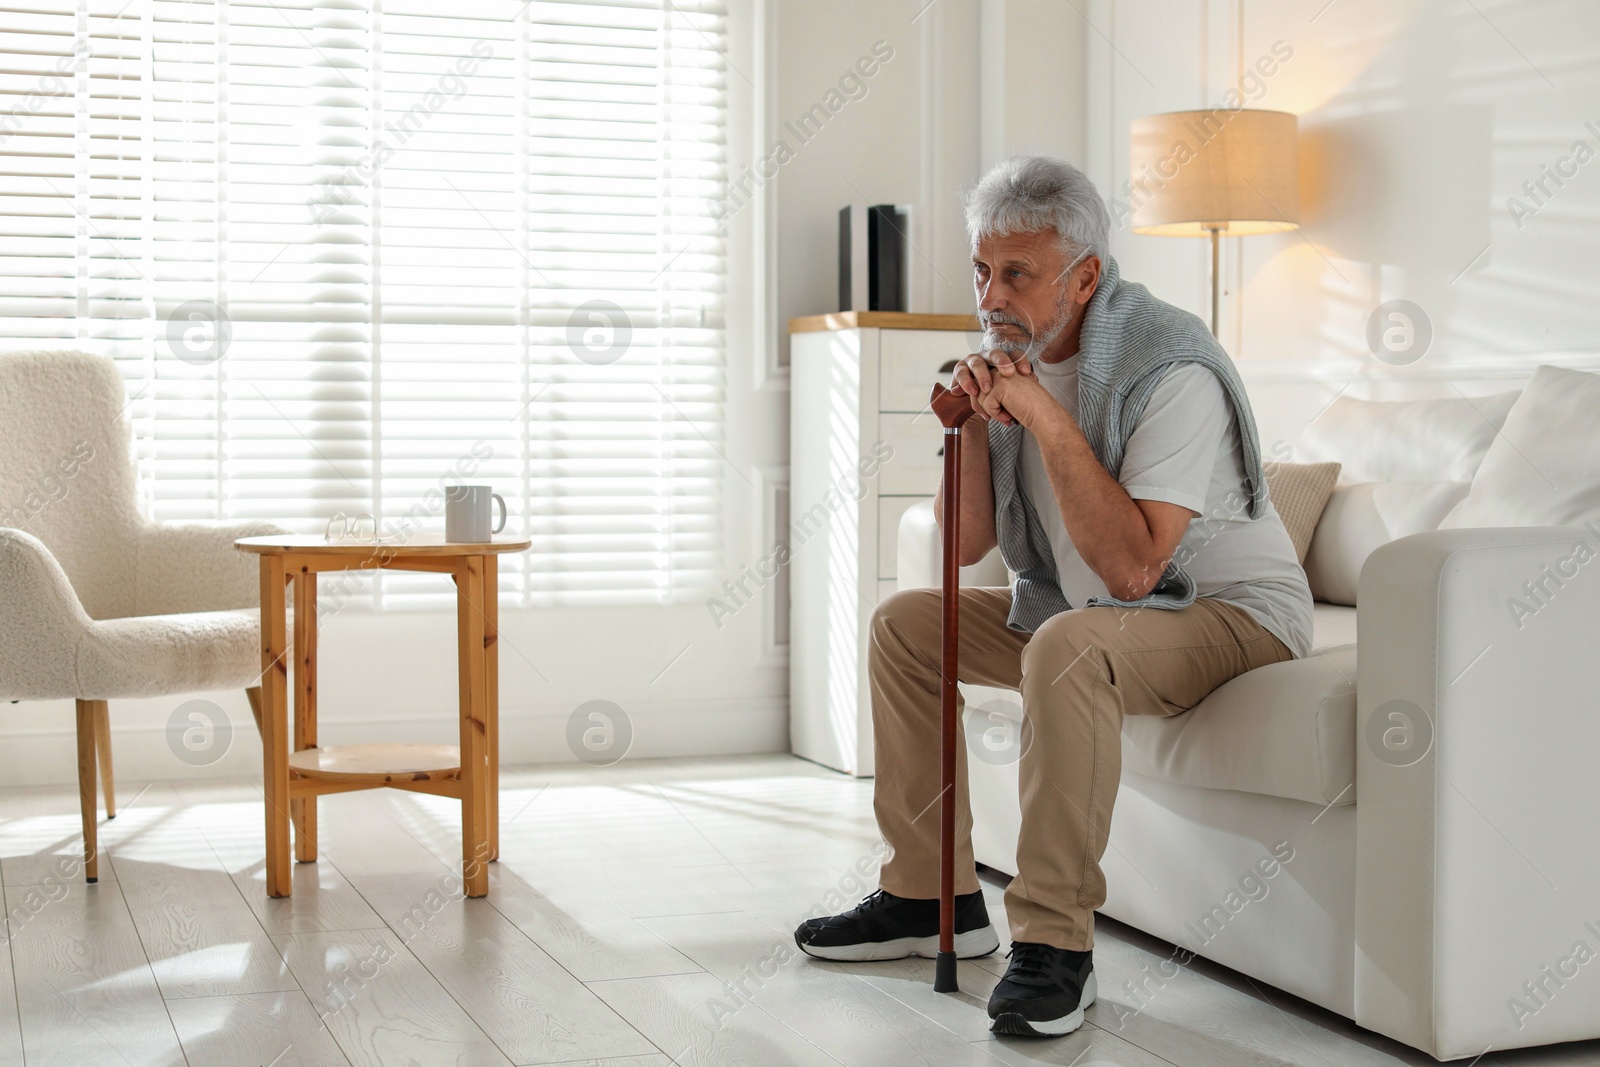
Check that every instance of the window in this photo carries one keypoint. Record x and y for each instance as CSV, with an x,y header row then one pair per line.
x,y
347,254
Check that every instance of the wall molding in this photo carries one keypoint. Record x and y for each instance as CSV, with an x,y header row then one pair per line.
x,y
44,751
767,326
772,527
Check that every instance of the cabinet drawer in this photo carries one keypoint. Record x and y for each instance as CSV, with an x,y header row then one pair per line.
x,y
917,463
890,508
910,361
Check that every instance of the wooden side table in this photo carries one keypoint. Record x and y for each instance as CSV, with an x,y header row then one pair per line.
x,y
470,772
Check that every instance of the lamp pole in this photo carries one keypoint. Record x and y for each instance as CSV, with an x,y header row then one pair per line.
x,y
1216,275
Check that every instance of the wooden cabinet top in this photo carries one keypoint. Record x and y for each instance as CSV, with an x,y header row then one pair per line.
x,y
886,320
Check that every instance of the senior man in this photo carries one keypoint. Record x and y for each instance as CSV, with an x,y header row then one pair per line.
x,y
1114,460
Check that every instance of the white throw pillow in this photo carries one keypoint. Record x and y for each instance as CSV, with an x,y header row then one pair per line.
x,y
1405,440
1362,516
1544,467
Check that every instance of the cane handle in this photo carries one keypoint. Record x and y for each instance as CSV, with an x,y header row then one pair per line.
x,y
951,409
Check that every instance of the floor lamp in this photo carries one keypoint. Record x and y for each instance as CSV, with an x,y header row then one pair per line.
x,y
1215,173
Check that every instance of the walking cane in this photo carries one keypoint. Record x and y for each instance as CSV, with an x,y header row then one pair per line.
x,y
951,409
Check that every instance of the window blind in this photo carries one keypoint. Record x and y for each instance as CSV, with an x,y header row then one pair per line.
x,y
348,253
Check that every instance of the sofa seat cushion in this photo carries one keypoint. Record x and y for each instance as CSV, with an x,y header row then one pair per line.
x,y
1332,626
1285,730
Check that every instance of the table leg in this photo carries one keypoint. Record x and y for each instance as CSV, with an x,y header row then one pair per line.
x,y
474,699
303,810
275,722
491,687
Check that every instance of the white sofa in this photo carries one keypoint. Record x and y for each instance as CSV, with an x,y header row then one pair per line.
x,y
1433,805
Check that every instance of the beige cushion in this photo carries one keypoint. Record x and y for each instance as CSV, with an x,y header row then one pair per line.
x,y
1544,467
1361,516
1284,730
1405,440
1300,491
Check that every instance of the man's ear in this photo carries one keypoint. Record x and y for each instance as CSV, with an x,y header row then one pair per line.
x,y
1087,281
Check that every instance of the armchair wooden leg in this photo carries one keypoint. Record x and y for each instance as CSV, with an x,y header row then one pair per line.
x,y
102,745
86,789
253,694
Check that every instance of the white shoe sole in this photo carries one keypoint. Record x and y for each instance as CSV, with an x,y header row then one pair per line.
x,y
969,945
1015,1024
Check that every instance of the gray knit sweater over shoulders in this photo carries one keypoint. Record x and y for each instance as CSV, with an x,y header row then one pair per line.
x,y
1129,340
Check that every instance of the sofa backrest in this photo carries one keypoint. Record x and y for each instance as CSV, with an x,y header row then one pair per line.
x,y
1405,440
920,556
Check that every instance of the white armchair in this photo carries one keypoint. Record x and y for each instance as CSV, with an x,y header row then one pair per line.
x,y
96,603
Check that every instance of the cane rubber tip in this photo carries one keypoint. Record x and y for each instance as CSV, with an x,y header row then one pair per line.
x,y
91,881
944,973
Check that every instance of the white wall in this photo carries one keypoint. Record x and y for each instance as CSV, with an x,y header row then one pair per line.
x,y
912,139
1033,80
1418,119
970,82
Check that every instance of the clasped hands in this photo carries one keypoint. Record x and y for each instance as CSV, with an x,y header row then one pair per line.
x,y
1005,390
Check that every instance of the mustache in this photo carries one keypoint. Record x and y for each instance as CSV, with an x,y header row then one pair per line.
x,y
999,318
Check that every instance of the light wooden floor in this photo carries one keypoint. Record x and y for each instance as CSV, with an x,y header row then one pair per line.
x,y
640,915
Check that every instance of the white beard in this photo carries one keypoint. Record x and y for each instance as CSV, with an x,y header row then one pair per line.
x,y
1035,344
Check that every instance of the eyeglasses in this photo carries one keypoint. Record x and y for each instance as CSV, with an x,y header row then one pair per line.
x,y
342,527
1071,266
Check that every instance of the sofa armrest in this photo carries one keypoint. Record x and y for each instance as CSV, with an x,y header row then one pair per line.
x,y
919,562
1479,739
41,621
183,567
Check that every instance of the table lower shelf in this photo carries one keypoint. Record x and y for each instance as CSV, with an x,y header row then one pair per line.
x,y
379,764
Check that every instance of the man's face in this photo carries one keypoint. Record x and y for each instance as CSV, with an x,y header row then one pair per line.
x,y
1029,301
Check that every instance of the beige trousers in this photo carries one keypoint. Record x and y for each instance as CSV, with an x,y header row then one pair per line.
x,y
1079,674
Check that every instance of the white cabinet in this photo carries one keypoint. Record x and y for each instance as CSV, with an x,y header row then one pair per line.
x,y
863,448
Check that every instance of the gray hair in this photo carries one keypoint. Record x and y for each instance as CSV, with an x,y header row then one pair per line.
x,y
1026,194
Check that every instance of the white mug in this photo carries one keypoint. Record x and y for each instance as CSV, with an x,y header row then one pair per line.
x,y
466,513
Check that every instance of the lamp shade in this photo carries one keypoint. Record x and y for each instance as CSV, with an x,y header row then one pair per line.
x,y
1192,172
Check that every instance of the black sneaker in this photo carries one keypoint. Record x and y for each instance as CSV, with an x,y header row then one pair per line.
x,y
887,927
1044,991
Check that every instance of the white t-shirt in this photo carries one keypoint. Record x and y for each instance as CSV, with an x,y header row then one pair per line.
x,y
1186,451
